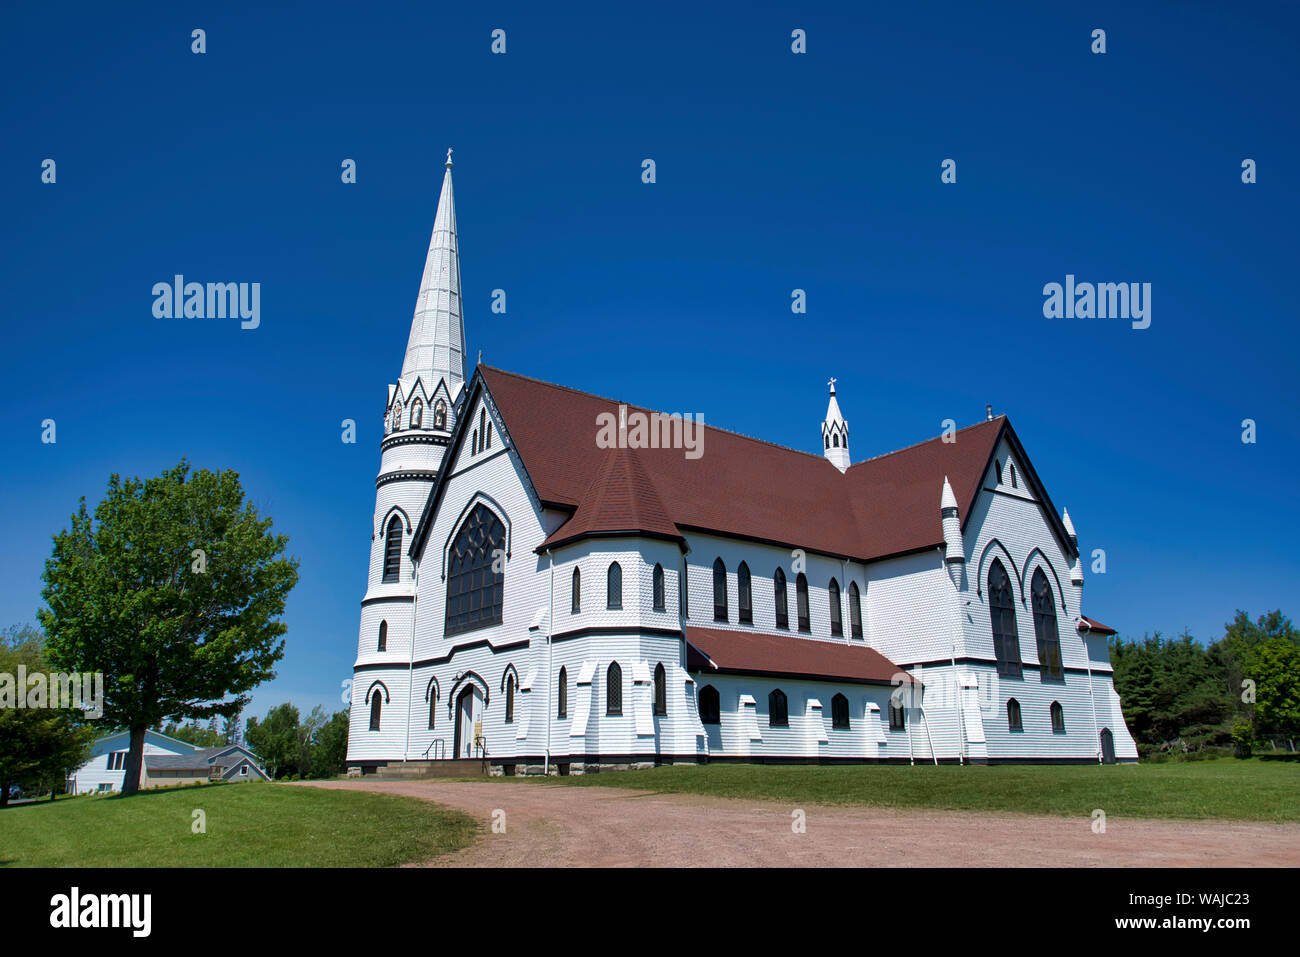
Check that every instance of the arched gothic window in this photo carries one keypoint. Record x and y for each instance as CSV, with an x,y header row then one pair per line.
x,y
661,690
383,636
801,599
376,707
837,621
562,695
1058,718
614,690
710,705
782,600
745,594
577,592
855,611
840,712
393,550
1013,715
1002,612
614,587
719,590
1049,639
510,698
475,588
657,587
778,714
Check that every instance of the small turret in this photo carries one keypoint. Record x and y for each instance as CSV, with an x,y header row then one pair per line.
x,y
955,552
1076,570
835,434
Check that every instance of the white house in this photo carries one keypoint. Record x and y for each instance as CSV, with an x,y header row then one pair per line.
x,y
167,761
561,583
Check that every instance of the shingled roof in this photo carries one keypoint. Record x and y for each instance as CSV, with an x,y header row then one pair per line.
x,y
739,486
746,652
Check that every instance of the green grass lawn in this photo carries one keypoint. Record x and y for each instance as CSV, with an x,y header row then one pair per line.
x,y
248,825
1227,789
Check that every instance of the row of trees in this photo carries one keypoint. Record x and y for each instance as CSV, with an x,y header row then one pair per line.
x,y
290,747
1180,694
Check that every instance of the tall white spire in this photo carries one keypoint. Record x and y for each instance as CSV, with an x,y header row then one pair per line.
x,y
436,348
835,434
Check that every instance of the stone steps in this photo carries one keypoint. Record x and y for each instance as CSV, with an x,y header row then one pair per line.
x,y
453,768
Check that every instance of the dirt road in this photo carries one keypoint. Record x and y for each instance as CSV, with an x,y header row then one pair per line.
x,y
556,825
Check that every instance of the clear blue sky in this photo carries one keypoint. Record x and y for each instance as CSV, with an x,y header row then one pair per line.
x,y
775,172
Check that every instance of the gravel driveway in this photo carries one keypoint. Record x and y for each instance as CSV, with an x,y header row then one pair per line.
x,y
557,825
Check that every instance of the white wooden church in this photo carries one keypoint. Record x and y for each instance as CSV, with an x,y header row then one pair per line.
x,y
552,603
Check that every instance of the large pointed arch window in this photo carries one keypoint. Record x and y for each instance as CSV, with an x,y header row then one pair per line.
x,y
1002,612
1049,639
855,611
782,600
474,585
801,598
745,594
719,590
837,619
393,550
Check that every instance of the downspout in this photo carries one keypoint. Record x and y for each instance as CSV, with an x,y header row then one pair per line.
x,y
1096,735
410,671
550,670
961,722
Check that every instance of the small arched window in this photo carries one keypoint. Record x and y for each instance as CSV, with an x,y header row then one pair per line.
x,y
782,602
1013,715
837,621
855,611
661,690
657,587
1058,718
376,707
826,441
562,695
1049,639
897,714
417,414
393,550
433,708
510,698
710,706
840,712
997,464
719,590
835,441
614,690
745,594
440,415
1014,483
778,714
1002,612
383,636
614,587
577,592
801,600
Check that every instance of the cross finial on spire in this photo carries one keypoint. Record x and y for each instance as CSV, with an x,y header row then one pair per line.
x,y
449,157
831,383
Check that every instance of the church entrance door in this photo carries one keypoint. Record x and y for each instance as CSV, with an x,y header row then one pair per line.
x,y
1107,746
469,722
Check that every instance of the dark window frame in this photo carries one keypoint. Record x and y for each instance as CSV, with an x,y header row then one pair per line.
x,y
778,709
614,690
383,635
840,713
1046,631
855,611
1002,621
575,607
660,691
1015,717
562,696
781,596
719,590
614,587
710,705
475,590
393,551
744,594
1058,717
658,600
801,603
837,611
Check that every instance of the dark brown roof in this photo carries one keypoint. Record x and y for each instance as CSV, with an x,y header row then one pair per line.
x,y
747,652
739,486
1098,627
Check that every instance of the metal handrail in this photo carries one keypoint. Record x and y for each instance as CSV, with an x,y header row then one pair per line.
x,y
441,746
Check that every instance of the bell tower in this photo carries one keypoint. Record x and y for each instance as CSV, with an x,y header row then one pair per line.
x,y
835,433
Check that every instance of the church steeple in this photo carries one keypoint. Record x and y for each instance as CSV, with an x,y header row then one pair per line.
x,y
835,434
436,348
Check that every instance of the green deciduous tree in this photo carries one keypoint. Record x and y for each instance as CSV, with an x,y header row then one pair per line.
x,y
171,589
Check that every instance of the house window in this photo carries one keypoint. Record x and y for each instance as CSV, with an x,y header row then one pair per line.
x,y
562,695
719,590
1049,639
1058,718
840,712
1002,612
383,636
658,587
243,770
1013,715
837,621
710,706
745,594
855,611
801,599
897,715
577,593
661,690
510,699
614,690
782,606
614,587
475,589
376,705
778,715
393,550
